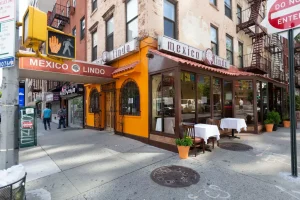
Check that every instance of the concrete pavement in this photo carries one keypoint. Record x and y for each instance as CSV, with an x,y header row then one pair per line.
x,y
88,164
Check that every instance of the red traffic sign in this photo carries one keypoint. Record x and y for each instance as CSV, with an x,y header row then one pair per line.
x,y
284,14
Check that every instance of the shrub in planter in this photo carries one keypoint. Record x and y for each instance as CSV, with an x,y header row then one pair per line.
x,y
275,117
269,125
183,146
286,120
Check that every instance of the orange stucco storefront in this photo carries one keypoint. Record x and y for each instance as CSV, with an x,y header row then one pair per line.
x,y
131,67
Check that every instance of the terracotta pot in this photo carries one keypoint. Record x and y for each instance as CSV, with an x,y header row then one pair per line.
x,y
269,127
183,151
286,124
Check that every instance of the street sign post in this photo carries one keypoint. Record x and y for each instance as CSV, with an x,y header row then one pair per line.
x,y
282,16
7,33
60,45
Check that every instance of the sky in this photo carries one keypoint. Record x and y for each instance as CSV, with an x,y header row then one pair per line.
x,y
22,8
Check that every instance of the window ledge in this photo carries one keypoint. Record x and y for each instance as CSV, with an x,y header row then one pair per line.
x,y
214,6
93,12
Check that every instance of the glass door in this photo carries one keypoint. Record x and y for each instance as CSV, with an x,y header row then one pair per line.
x,y
227,96
109,107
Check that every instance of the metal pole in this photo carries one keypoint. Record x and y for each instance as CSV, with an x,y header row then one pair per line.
x,y
292,105
9,136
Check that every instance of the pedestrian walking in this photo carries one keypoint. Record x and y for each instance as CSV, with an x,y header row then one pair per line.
x,y
62,113
46,117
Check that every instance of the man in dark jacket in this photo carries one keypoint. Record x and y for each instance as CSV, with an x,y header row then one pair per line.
x,y
62,113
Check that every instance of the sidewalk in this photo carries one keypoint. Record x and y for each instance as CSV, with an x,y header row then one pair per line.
x,y
88,164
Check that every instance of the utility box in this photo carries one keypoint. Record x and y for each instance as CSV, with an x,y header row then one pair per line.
x,y
28,127
34,28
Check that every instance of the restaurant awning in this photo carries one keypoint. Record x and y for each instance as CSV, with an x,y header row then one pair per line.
x,y
127,69
232,71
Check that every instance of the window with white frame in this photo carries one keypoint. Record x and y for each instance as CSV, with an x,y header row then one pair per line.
x,y
74,3
169,19
213,2
94,45
68,8
229,49
82,28
228,9
131,19
94,5
214,40
110,34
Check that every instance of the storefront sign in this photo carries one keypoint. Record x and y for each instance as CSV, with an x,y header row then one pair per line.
x,y
49,97
124,50
212,59
56,96
72,89
174,46
68,67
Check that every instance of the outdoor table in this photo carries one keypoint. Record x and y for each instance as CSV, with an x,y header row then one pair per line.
x,y
206,131
169,124
233,123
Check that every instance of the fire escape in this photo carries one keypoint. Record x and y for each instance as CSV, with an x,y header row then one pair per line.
x,y
274,45
258,61
59,17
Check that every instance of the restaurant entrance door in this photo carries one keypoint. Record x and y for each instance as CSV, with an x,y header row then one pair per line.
x,y
227,99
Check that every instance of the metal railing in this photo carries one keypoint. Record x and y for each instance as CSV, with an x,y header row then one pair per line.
x,y
61,13
14,190
252,61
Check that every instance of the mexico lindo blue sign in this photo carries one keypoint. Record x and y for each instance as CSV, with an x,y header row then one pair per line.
x,y
7,62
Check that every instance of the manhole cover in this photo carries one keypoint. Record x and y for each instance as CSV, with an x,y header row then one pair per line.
x,y
235,146
175,176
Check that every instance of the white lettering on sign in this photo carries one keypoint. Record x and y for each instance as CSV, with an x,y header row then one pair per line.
x,y
45,63
124,50
282,15
176,47
93,70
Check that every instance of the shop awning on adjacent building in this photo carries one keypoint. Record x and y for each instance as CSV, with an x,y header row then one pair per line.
x,y
232,71
127,69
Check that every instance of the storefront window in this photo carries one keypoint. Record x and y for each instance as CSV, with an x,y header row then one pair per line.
x,y
188,97
244,100
203,95
76,112
265,99
217,98
228,99
163,103
130,98
259,102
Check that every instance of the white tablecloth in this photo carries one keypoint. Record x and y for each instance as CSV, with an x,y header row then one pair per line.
x,y
169,124
233,123
206,130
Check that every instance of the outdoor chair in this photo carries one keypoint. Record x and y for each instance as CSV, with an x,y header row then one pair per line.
x,y
197,141
217,123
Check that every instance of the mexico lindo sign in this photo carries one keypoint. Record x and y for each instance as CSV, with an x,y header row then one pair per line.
x,y
175,47
282,15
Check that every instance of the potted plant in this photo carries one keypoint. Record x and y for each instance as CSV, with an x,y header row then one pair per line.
x,y
269,125
286,120
275,117
183,146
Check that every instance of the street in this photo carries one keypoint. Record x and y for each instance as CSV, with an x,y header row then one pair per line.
x,y
88,164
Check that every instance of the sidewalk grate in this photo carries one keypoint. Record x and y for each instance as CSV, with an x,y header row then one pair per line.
x,y
175,176
231,146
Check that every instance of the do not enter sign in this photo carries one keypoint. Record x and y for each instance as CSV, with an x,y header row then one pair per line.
x,y
282,15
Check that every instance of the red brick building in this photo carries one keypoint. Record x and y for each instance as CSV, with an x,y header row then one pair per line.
x,y
69,16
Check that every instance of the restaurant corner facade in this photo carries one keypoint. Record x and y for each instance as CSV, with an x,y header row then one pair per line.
x,y
105,108
157,88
